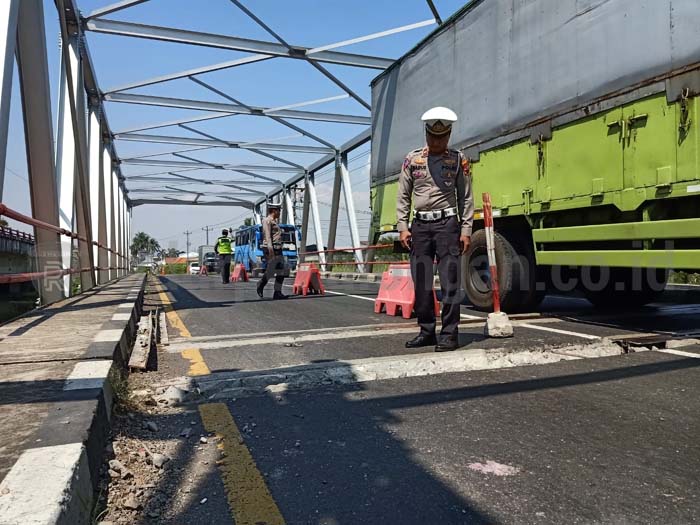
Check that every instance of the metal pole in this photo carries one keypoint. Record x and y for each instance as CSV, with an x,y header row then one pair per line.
x,y
313,203
32,65
66,160
95,168
119,211
187,253
9,10
350,208
288,206
305,219
103,212
335,206
257,214
207,229
113,221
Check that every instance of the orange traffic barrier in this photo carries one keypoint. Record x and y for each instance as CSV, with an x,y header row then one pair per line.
x,y
396,292
239,274
308,280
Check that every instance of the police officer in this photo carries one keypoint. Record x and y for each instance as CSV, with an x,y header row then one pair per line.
x,y
437,180
223,248
272,247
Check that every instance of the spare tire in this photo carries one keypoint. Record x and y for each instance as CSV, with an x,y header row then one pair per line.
x,y
476,279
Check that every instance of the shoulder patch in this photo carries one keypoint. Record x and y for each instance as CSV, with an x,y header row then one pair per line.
x,y
465,166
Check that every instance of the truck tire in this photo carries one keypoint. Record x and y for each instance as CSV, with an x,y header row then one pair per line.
x,y
533,277
475,274
619,288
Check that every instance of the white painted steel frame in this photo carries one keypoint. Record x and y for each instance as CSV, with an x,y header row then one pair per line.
x,y
9,10
66,161
350,209
32,65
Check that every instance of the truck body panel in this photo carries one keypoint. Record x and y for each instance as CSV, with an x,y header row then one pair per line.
x,y
576,116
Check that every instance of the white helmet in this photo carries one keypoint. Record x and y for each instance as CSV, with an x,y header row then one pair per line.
x,y
439,120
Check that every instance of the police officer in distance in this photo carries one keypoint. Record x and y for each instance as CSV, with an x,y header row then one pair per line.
x,y
223,248
272,247
437,180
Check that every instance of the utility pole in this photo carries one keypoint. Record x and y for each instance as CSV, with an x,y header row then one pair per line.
x,y
208,229
187,253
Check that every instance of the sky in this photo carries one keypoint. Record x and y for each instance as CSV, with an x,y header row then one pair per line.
x,y
119,60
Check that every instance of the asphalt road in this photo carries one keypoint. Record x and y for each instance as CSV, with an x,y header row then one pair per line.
x,y
605,440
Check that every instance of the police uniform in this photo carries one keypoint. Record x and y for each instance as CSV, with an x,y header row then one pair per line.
x,y
440,188
272,241
224,249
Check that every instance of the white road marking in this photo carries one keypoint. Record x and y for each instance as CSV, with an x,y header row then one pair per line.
x,y
281,340
680,352
121,317
88,374
340,293
467,316
248,335
557,331
348,295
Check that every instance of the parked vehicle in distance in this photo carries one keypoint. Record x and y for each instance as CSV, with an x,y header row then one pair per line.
x,y
248,247
211,261
195,268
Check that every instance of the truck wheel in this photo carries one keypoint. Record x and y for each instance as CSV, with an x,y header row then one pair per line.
x,y
610,288
476,276
533,277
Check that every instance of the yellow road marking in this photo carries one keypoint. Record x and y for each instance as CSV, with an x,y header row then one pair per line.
x,y
197,365
172,315
248,496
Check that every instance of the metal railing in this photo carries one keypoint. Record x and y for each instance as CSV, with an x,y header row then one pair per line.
x,y
32,276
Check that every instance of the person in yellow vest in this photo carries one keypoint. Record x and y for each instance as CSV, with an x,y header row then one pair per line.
x,y
223,248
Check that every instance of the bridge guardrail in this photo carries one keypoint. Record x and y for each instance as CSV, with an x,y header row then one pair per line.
x,y
12,278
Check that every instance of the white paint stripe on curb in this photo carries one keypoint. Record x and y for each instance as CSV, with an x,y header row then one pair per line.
x,y
108,336
126,305
467,316
132,297
88,374
557,331
121,317
39,487
679,352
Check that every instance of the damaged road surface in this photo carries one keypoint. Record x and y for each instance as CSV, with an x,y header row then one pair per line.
x,y
334,422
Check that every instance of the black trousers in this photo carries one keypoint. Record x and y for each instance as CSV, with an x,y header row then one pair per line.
x,y
275,266
225,267
437,240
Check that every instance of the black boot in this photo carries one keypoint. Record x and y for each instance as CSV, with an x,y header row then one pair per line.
x,y
260,289
447,343
279,295
421,340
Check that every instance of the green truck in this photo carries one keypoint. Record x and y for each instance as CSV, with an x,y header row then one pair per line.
x,y
580,118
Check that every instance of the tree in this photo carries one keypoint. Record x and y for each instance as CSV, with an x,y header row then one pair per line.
x,y
144,243
3,223
172,252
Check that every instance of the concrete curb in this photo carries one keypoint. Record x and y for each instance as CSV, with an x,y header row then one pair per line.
x,y
56,483
239,384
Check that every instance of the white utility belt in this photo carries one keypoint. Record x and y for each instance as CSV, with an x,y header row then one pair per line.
x,y
436,215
